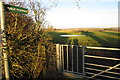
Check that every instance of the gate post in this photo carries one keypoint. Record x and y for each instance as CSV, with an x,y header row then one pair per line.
x,y
83,60
58,57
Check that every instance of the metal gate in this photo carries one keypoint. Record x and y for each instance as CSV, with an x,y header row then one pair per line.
x,y
91,62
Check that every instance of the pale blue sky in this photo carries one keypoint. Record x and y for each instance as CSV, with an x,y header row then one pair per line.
x,y
92,13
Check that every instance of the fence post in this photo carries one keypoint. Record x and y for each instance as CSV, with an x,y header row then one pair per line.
x,y
4,51
83,62
62,58
58,58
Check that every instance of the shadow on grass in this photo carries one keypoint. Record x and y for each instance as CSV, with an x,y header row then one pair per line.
x,y
62,40
113,38
57,76
107,41
73,41
60,76
59,39
112,33
98,39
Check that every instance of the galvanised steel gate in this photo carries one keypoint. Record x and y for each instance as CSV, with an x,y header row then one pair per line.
x,y
91,62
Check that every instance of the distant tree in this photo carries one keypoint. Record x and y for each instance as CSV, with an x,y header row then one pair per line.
x,y
50,28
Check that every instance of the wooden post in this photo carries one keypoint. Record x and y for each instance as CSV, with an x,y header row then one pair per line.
x,y
58,58
60,53
4,51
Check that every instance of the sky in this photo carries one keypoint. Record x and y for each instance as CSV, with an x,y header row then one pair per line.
x,y
91,14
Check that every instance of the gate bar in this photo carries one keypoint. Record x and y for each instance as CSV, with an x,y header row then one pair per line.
x,y
110,68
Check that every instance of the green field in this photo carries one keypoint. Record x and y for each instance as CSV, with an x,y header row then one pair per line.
x,y
92,38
